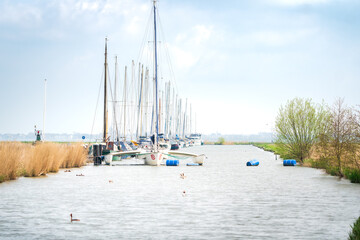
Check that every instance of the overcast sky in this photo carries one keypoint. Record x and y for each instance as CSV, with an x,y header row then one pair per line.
x,y
236,61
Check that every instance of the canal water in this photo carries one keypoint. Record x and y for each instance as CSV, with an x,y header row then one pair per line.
x,y
224,199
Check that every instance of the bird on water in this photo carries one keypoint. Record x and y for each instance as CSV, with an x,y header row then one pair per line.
x,y
73,219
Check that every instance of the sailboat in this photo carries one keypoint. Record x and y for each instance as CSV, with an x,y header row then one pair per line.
x,y
155,155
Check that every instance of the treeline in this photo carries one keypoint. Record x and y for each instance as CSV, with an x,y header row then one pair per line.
x,y
21,159
322,136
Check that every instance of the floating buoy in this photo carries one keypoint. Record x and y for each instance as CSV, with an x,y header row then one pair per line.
x,y
253,162
172,162
289,162
193,164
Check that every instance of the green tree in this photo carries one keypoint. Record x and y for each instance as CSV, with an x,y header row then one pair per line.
x,y
220,141
342,134
298,126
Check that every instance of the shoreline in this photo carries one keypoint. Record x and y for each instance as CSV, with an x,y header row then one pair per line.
x,y
352,174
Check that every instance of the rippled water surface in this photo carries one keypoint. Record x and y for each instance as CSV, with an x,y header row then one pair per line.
x,y
224,200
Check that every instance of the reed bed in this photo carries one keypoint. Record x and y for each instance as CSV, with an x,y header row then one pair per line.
x,y
19,159
10,155
76,156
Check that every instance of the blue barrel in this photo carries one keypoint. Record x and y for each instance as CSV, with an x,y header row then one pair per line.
x,y
193,164
289,162
253,162
172,162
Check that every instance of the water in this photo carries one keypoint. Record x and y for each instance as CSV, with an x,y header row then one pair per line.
x,y
224,200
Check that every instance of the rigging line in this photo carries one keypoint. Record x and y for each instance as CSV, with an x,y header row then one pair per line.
x,y
112,98
167,52
147,30
97,103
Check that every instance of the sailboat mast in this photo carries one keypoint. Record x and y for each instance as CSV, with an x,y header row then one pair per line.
x,y
190,125
156,83
140,103
125,102
105,96
116,100
184,123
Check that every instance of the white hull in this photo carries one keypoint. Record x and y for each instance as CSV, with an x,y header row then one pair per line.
x,y
108,159
154,158
199,159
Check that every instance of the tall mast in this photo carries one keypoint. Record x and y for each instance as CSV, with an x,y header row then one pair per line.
x,y
156,83
146,97
125,102
116,100
105,96
140,103
184,123
190,128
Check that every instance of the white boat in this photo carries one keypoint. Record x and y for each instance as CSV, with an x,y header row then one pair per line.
x,y
154,158
196,139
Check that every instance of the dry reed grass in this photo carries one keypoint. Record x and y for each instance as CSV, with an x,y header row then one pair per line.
x,y
76,156
10,155
19,159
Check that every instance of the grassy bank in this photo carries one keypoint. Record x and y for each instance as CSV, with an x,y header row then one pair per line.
x,y
350,167
350,171
22,159
227,143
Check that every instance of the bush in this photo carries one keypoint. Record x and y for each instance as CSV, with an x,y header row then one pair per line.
x,y
353,175
333,171
220,141
321,163
355,233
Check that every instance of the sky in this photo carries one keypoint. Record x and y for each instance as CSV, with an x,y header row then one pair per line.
x,y
236,61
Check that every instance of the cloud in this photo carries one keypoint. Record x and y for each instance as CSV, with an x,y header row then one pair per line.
x,y
299,2
20,14
87,6
202,34
104,15
280,38
189,46
183,58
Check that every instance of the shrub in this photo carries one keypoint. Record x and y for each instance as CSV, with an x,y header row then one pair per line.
x,y
355,233
353,175
220,141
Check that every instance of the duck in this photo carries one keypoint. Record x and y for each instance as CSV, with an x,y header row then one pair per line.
x,y
73,219
182,175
